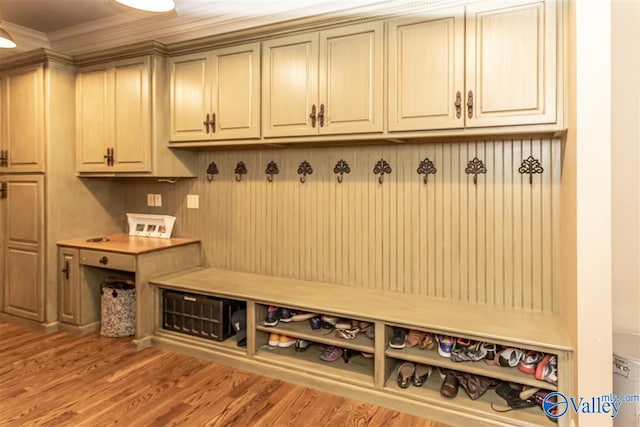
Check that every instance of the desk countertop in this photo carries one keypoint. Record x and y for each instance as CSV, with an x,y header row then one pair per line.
x,y
126,244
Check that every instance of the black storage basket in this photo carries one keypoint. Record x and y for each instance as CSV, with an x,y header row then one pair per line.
x,y
198,315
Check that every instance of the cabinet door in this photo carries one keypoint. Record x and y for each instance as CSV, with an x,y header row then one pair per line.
x,y
24,119
236,92
426,71
351,79
132,116
94,119
24,256
190,96
69,285
3,239
511,63
290,85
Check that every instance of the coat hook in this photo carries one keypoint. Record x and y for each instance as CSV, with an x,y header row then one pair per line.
x,y
475,167
381,168
530,166
240,170
272,169
304,169
340,169
425,168
211,171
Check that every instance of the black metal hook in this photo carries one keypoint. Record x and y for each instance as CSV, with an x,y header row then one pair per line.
x,y
240,170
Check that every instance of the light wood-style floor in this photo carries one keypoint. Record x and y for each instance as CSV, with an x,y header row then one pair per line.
x,y
64,380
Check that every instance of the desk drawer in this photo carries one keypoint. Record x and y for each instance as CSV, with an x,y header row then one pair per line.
x,y
109,260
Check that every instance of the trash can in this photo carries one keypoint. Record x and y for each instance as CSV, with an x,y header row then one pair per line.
x,y
118,308
626,378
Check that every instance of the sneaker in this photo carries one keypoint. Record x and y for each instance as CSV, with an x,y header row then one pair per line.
x,y
286,341
445,345
510,357
302,345
315,322
547,369
490,351
274,340
399,339
460,349
286,315
367,355
529,362
273,316
331,354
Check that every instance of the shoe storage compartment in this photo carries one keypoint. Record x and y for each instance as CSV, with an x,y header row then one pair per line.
x,y
198,315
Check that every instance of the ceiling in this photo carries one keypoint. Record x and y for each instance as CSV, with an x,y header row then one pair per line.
x,y
79,26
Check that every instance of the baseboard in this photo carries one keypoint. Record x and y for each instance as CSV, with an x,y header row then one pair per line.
x,y
80,330
42,327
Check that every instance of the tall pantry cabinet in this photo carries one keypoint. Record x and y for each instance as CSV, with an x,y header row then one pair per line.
x,y
41,199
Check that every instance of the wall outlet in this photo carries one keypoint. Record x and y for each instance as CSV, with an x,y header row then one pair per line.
x,y
157,200
150,200
193,201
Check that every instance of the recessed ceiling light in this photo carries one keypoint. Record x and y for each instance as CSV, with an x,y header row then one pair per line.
x,y
6,41
150,5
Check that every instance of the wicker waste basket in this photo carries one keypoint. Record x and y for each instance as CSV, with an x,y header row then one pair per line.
x,y
118,307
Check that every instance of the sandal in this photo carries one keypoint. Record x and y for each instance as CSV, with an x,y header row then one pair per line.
x,y
422,374
347,334
427,342
414,338
331,354
405,374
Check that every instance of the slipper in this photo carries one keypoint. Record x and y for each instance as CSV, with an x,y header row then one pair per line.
x,y
331,354
405,374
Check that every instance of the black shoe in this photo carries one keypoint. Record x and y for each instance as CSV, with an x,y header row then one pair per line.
x,y
273,316
286,315
399,338
316,323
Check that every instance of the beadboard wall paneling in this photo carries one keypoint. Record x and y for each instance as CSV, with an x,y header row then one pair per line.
x,y
495,242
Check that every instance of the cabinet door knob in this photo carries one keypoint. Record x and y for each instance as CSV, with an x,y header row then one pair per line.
x,y
3,190
321,115
65,270
312,116
458,104
206,123
470,104
104,260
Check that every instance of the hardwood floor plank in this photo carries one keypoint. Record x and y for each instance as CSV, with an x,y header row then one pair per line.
x,y
65,380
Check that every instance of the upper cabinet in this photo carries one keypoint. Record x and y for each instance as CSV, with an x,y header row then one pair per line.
x,y
426,70
22,138
216,94
510,63
121,114
489,64
329,82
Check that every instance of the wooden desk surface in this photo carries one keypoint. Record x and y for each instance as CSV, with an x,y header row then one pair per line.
x,y
126,244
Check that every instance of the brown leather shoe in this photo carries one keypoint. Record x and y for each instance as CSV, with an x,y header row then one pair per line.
x,y
449,386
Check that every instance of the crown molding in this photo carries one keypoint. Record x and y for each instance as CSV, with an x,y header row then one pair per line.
x,y
36,56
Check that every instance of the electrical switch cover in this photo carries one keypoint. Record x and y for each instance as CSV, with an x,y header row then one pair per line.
x,y
150,200
193,201
158,200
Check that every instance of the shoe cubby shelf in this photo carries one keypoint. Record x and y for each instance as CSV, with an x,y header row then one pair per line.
x,y
430,393
374,379
431,357
358,371
325,336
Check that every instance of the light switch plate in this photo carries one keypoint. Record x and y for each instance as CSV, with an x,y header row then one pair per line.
x,y
150,200
193,201
158,200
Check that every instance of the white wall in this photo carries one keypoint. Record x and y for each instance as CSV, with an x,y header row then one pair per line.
x,y
625,150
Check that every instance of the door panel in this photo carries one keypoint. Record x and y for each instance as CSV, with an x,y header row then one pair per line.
x,y
69,289
426,70
351,78
190,97
94,118
511,63
132,111
236,92
290,85
24,123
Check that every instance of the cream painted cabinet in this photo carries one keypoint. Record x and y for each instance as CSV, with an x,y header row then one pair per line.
x,y
426,70
21,145
69,285
114,117
323,83
24,246
216,94
3,198
486,64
